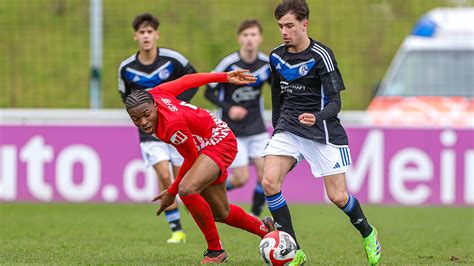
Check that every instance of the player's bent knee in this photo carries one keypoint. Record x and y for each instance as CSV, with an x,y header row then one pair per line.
x,y
165,179
240,180
270,186
338,198
221,216
186,189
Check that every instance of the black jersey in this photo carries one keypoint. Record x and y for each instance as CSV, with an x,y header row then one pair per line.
x,y
302,83
168,65
226,95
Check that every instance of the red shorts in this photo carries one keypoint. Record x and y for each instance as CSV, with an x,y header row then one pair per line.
x,y
223,154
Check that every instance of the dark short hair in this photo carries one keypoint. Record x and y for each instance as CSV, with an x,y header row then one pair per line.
x,y
299,8
249,23
138,97
145,19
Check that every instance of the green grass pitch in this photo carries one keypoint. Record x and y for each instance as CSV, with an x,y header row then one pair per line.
x,y
132,234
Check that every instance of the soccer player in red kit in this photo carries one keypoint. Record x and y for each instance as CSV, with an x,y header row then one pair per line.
x,y
208,147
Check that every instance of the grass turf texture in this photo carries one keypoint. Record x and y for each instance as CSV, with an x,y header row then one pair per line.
x,y
131,234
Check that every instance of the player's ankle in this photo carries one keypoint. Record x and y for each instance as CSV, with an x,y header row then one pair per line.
x,y
213,253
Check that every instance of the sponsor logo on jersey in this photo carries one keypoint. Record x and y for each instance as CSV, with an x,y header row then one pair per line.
x,y
290,88
245,94
136,78
278,66
178,138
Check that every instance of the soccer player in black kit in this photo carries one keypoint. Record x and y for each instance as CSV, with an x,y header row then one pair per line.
x,y
241,108
147,68
306,86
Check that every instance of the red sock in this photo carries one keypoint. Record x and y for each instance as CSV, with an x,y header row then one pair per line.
x,y
240,219
202,215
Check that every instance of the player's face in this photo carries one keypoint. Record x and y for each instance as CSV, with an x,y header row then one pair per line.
x,y
146,36
292,30
250,39
145,117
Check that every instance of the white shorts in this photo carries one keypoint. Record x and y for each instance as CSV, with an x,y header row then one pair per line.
x,y
249,147
324,159
154,152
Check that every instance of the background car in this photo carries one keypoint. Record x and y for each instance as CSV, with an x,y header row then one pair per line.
x,y
431,79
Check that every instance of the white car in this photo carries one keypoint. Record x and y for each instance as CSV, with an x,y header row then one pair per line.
x,y
430,82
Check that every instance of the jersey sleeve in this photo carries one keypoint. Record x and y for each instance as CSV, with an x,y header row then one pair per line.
x,y
181,138
122,86
276,90
331,109
177,86
328,71
187,95
269,79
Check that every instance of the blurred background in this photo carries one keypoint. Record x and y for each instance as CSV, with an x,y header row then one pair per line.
x,y
45,44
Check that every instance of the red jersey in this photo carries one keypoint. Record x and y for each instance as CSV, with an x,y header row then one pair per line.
x,y
188,128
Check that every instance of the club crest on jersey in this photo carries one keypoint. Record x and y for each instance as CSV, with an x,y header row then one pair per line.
x,y
178,138
164,74
303,70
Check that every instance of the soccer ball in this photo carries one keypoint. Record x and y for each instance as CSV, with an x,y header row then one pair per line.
x,y
277,248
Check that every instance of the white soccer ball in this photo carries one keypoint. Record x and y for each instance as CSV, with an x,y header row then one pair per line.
x,y
277,248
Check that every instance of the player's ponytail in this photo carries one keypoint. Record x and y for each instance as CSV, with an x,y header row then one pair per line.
x,y
138,97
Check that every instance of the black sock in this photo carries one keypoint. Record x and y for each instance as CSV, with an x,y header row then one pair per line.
x,y
173,218
258,200
213,253
281,213
358,219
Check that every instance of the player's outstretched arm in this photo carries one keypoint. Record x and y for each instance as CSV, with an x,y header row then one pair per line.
x,y
182,140
240,77
176,87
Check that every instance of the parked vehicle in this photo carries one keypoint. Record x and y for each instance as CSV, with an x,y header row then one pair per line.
x,y
430,81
